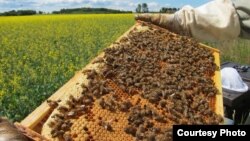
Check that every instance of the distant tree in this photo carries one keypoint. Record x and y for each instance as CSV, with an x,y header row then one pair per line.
x,y
138,9
26,12
144,8
171,10
168,10
11,13
19,13
163,10
55,12
40,12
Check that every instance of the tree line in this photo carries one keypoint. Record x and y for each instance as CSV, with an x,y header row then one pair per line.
x,y
143,8
168,9
87,10
84,10
20,13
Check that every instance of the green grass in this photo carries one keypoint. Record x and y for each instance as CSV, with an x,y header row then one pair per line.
x,y
38,54
236,51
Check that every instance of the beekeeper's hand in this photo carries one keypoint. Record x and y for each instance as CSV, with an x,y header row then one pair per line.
x,y
217,20
168,21
8,132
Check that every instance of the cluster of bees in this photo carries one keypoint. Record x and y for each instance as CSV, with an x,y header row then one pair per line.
x,y
144,124
73,109
171,75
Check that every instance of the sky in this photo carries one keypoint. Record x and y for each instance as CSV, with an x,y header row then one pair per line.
x,y
51,5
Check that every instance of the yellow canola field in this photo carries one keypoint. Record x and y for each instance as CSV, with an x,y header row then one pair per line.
x,y
38,54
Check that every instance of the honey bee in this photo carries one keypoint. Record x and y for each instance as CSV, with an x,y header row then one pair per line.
x,y
56,133
87,101
51,124
98,60
151,137
65,126
159,118
67,137
130,130
125,106
91,74
102,103
62,109
139,135
71,113
149,124
52,104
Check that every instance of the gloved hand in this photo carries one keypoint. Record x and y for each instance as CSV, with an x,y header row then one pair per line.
x,y
216,20
168,21
8,132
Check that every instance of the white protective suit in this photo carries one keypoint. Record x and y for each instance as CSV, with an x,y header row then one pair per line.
x,y
216,20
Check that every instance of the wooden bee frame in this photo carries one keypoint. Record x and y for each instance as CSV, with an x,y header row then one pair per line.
x,y
36,119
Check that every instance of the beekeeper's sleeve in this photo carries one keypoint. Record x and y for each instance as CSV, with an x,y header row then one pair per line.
x,y
217,20
243,10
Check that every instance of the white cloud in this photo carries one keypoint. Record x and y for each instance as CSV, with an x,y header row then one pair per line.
x,y
3,1
62,1
48,2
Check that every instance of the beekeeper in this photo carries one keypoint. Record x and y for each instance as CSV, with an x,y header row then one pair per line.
x,y
217,20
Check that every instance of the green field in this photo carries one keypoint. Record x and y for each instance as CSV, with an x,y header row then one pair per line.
x,y
236,51
38,54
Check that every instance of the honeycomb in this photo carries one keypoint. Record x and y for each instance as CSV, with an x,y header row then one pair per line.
x,y
144,84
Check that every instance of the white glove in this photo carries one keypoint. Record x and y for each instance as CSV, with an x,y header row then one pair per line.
x,y
214,21
167,21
